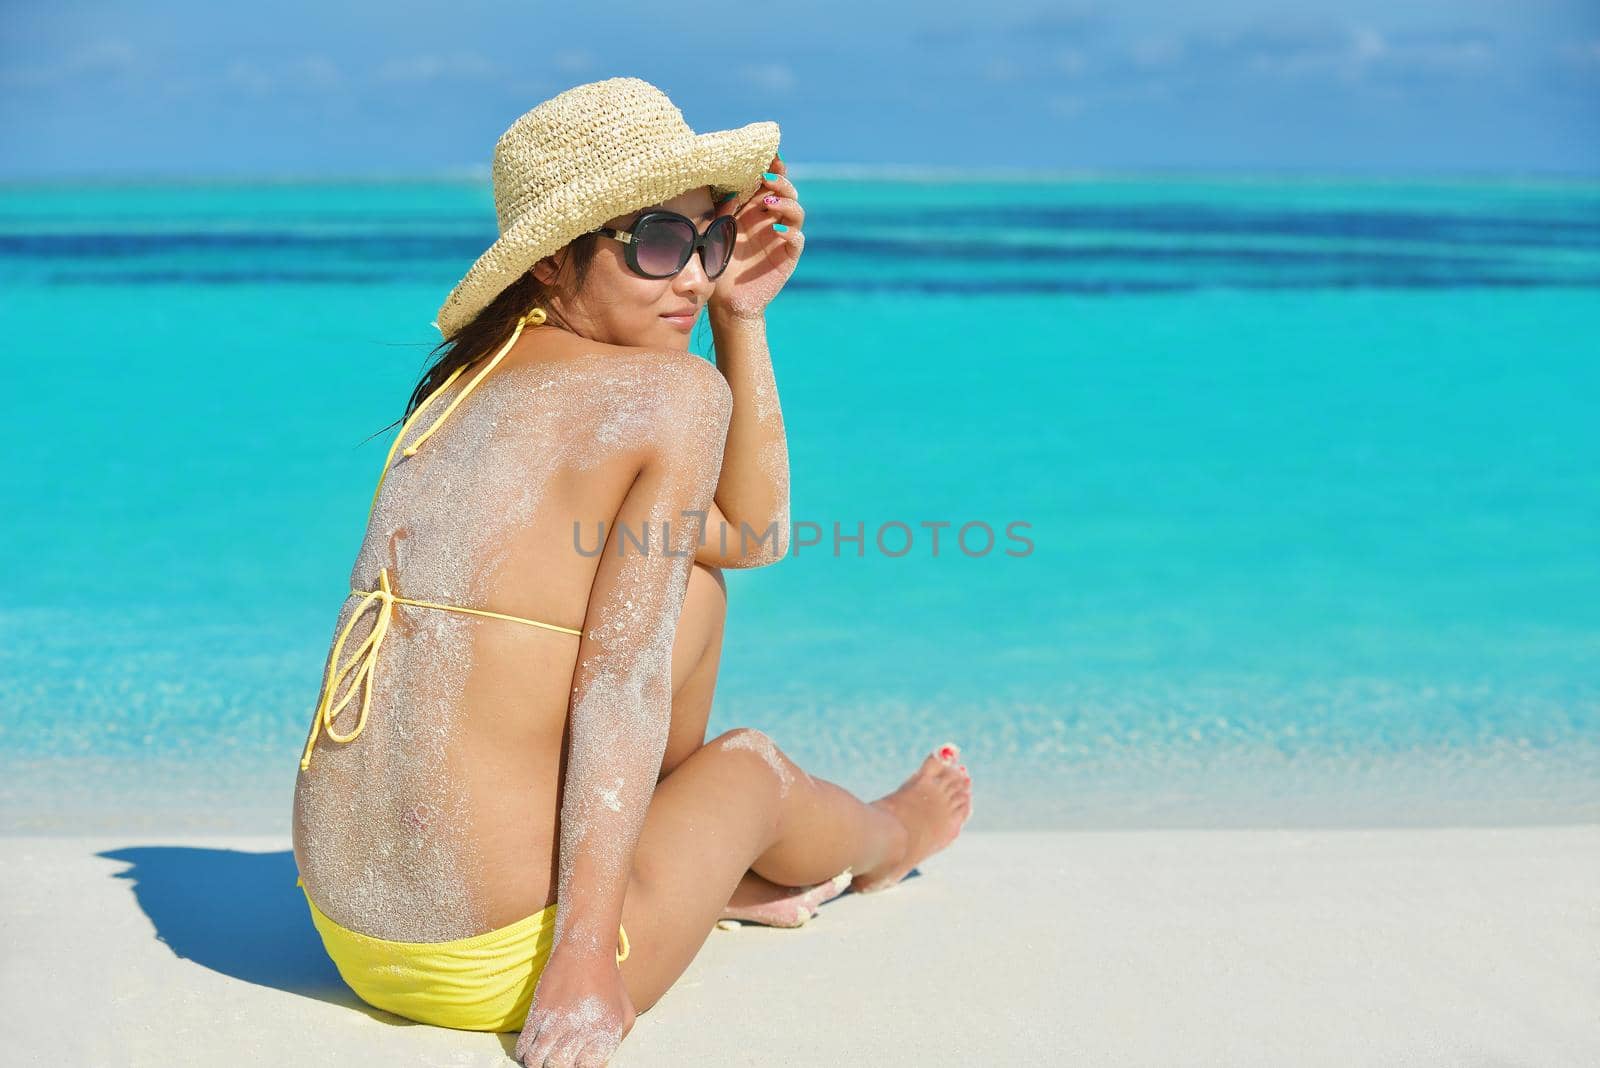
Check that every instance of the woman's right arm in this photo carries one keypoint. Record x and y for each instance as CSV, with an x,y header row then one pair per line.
x,y
621,706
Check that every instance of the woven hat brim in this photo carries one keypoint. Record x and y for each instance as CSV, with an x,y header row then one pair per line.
x,y
727,160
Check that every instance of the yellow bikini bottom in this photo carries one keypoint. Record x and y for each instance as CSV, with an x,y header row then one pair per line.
x,y
483,982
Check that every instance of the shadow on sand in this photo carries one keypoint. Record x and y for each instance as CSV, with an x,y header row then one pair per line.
x,y
239,914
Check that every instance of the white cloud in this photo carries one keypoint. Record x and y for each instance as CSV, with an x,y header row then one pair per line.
x,y
1368,44
467,66
1156,52
1072,62
99,61
1066,106
774,77
573,61
245,75
316,72
1580,53
1001,69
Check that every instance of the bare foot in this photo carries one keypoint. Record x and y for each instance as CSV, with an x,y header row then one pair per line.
x,y
757,900
933,805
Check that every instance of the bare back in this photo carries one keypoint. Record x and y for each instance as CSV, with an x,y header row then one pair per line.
x,y
440,820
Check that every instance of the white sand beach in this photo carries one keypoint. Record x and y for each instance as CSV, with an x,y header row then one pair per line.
x,y
1195,947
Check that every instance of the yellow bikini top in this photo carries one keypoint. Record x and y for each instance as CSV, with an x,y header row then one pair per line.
x,y
365,658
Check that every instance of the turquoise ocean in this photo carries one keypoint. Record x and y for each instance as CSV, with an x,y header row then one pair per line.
x,y
1307,473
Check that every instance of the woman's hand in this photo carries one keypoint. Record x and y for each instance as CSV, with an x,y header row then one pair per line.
x,y
580,1013
763,258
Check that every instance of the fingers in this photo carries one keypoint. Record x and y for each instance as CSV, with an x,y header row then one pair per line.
x,y
595,1055
546,1043
780,186
784,209
537,1052
552,1045
779,183
549,1051
565,1054
528,1041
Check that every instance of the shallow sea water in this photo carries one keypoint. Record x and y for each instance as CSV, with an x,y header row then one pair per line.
x,y
1309,473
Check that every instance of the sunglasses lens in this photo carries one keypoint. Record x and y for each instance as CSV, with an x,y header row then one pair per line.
x,y
661,245
719,245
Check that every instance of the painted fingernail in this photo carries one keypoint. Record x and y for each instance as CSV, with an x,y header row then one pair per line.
x,y
769,199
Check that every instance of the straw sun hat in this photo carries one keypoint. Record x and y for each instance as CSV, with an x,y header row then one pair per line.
x,y
588,154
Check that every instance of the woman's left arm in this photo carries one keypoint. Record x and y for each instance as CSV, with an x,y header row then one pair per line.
x,y
748,521
748,524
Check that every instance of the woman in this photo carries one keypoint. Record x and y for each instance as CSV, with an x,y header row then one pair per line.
x,y
531,832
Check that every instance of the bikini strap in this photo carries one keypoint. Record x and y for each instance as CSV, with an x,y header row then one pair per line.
x,y
537,316
362,662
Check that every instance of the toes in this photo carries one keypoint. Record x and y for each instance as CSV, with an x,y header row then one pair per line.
x,y
953,775
829,890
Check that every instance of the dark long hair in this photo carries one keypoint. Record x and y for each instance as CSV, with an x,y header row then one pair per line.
x,y
490,328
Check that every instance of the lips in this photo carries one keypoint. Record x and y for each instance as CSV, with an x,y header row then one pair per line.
x,y
691,310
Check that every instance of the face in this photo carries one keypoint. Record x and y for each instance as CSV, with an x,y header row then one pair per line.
x,y
618,307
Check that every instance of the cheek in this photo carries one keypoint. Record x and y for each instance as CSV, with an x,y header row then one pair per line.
x,y
624,289
638,298
618,294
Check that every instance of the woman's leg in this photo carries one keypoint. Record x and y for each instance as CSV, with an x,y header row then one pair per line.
x,y
739,803
696,655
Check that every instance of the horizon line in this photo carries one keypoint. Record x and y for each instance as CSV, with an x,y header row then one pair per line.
x,y
846,171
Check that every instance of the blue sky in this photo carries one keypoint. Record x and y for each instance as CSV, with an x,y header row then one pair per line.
x,y
362,88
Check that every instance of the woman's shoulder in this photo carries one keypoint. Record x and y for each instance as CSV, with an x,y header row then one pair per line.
x,y
645,396
627,375
581,354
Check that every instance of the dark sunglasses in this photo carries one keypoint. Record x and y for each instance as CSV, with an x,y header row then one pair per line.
x,y
660,243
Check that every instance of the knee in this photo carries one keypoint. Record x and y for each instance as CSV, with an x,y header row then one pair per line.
x,y
744,738
750,744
